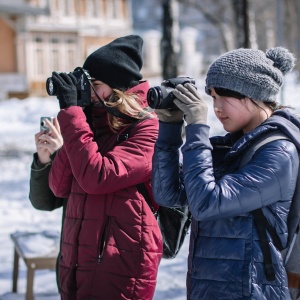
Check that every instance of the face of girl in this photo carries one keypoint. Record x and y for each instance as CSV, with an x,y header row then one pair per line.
x,y
102,89
236,114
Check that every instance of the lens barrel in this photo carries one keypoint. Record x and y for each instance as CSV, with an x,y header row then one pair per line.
x,y
160,97
154,97
50,87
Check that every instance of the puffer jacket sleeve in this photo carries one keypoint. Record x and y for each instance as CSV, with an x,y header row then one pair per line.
x,y
127,164
269,177
167,181
60,176
40,194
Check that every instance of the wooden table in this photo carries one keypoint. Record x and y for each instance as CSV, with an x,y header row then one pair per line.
x,y
39,250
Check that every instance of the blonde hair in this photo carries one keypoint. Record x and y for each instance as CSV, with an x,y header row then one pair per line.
x,y
127,103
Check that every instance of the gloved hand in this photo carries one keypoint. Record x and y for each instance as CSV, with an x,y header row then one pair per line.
x,y
169,116
66,89
188,100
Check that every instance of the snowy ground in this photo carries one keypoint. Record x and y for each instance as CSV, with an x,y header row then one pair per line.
x,y
19,121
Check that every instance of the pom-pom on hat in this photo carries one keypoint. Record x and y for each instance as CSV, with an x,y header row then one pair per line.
x,y
118,63
250,72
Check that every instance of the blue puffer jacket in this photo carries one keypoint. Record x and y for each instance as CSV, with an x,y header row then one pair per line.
x,y
225,255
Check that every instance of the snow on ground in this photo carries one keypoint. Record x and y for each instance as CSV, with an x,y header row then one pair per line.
x,y
19,121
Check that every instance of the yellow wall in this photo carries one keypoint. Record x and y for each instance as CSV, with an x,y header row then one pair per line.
x,y
7,43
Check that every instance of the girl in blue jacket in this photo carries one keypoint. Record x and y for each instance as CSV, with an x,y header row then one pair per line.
x,y
225,255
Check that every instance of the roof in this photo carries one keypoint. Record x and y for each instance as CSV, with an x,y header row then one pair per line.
x,y
21,8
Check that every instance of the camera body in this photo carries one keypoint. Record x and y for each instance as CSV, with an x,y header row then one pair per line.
x,y
43,124
161,97
82,85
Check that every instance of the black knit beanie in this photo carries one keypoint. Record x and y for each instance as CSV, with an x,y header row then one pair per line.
x,y
118,63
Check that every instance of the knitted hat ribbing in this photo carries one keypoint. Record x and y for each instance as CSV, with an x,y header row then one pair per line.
x,y
118,63
250,72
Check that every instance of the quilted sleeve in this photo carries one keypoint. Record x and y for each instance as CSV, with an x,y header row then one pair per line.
x,y
268,178
60,176
40,194
167,181
127,164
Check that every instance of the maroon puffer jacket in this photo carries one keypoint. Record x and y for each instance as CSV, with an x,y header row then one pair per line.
x,y
111,244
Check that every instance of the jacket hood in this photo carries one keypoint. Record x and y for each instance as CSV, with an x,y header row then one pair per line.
x,y
288,123
142,90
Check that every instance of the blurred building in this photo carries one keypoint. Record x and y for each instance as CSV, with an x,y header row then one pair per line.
x,y
39,36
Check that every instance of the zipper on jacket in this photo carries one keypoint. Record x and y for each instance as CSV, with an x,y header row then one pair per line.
x,y
103,239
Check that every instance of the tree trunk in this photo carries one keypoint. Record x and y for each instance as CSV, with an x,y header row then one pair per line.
x,y
241,12
169,42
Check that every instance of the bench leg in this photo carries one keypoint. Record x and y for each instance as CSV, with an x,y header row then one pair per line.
x,y
30,275
15,271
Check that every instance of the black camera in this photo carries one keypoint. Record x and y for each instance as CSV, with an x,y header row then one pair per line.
x,y
160,97
82,84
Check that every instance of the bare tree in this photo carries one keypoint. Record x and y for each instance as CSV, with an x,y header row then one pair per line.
x,y
169,42
218,14
291,27
245,25
228,24
265,22
292,31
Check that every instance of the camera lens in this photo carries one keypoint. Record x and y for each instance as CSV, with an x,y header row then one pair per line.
x,y
50,87
154,97
160,97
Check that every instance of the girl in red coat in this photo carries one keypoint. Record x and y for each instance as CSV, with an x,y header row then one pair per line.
x,y
111,244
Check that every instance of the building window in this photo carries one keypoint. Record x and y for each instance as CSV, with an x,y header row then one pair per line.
x,y
114,9
69,8
53,52
66,7
54,40
38,39
70,41
71,59
123,9
92,8
101,8
39,62
55,59
40,3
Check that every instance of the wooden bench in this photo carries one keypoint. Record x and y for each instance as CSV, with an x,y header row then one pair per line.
x,y
39,250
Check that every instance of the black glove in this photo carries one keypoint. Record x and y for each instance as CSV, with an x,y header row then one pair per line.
x,y
66,89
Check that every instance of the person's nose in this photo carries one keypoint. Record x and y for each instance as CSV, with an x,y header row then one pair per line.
x,y
217,106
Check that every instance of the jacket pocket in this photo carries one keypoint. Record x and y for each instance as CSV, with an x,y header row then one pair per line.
x,y
103,239
119,253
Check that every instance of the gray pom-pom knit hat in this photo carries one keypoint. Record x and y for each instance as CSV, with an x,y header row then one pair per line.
x,y
250,72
